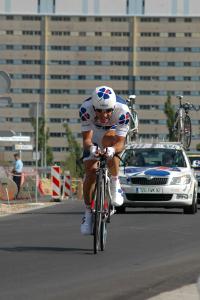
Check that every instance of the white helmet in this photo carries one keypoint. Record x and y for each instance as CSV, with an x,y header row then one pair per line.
x,y
103,97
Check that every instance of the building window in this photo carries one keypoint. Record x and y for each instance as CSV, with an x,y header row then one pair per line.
x,y
82,19
171,34
172,20
8,148
98,19
171,78
98,33
9,18
82,33
186,78
187,20
187,34
149,19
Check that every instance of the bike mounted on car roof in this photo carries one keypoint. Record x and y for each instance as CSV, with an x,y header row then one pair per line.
x,y
182,123
133,131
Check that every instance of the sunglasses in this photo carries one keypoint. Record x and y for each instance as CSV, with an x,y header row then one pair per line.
x,y
109,110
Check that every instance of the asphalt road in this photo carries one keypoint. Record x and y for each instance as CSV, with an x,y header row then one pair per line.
x,y
43,256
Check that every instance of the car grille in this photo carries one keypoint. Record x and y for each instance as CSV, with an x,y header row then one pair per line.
x,y
152,181
149,197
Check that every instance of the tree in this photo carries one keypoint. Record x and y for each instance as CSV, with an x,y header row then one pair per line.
x,y
198,147
73,160
170,113
42,141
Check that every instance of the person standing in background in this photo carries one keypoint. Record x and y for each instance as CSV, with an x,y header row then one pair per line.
x,y
17,172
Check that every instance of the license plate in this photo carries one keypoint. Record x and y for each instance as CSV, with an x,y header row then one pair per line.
x,y
151,189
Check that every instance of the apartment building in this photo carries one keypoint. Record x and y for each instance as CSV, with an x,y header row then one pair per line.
x,y
102,7
57,60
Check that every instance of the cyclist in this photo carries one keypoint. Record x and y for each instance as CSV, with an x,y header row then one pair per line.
x,y
105,123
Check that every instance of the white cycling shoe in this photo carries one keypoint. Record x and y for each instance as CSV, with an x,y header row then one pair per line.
x,y
116,193
86,225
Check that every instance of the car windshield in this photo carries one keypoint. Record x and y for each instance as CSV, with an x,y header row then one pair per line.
x,y
195,162
152,157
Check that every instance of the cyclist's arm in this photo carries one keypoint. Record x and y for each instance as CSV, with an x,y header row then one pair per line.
x,y
87,139
119,144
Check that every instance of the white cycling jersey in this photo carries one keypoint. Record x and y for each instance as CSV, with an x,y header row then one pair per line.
x,y
119,120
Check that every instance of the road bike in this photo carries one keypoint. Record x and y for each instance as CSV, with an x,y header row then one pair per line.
x,y
133,131
182,123
102,208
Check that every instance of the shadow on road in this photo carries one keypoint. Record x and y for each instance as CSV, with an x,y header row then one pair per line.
x,y
132,212
51,213
44,249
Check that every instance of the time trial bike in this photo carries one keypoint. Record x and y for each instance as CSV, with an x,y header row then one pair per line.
x,y
102,208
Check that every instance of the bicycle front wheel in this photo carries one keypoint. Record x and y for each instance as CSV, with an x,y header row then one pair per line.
x,y
98,213
103,231
187,132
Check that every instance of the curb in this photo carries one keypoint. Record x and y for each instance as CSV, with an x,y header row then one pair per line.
x,y
187,292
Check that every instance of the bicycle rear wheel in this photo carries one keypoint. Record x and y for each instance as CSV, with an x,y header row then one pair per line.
x,y
98,214
178,132
187,132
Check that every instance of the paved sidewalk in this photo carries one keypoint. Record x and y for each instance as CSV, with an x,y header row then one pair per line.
x,y
21,206
188,292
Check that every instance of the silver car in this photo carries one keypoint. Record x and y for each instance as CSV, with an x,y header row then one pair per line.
x,y
157,175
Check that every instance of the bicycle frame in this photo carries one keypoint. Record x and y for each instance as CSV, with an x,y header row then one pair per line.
x,y
179,119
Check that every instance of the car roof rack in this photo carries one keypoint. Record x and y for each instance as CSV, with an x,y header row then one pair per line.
x,y
153,141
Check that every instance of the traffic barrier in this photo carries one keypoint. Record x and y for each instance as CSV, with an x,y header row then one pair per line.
x,y
67,190
56,182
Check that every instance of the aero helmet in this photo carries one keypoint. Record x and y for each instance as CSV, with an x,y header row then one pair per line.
x,y
103,97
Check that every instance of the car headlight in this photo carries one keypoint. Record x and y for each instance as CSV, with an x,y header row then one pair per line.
x,y
185,179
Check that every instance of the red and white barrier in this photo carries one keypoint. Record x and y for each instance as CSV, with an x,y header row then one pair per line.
x,y
67,185
56,182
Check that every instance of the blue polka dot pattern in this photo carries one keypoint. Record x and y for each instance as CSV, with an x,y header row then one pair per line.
x,y
124,119
84,114
104,93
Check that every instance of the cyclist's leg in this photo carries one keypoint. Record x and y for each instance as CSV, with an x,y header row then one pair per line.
x,y
110,140
89,180
90,165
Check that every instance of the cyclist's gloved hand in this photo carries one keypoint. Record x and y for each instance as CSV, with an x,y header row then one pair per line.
x,y
109,151
94,150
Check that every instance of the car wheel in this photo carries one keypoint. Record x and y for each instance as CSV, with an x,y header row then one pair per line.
x,y
192,209
120,209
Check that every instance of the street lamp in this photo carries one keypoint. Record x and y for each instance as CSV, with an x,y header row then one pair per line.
x,y
36,151
34,112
